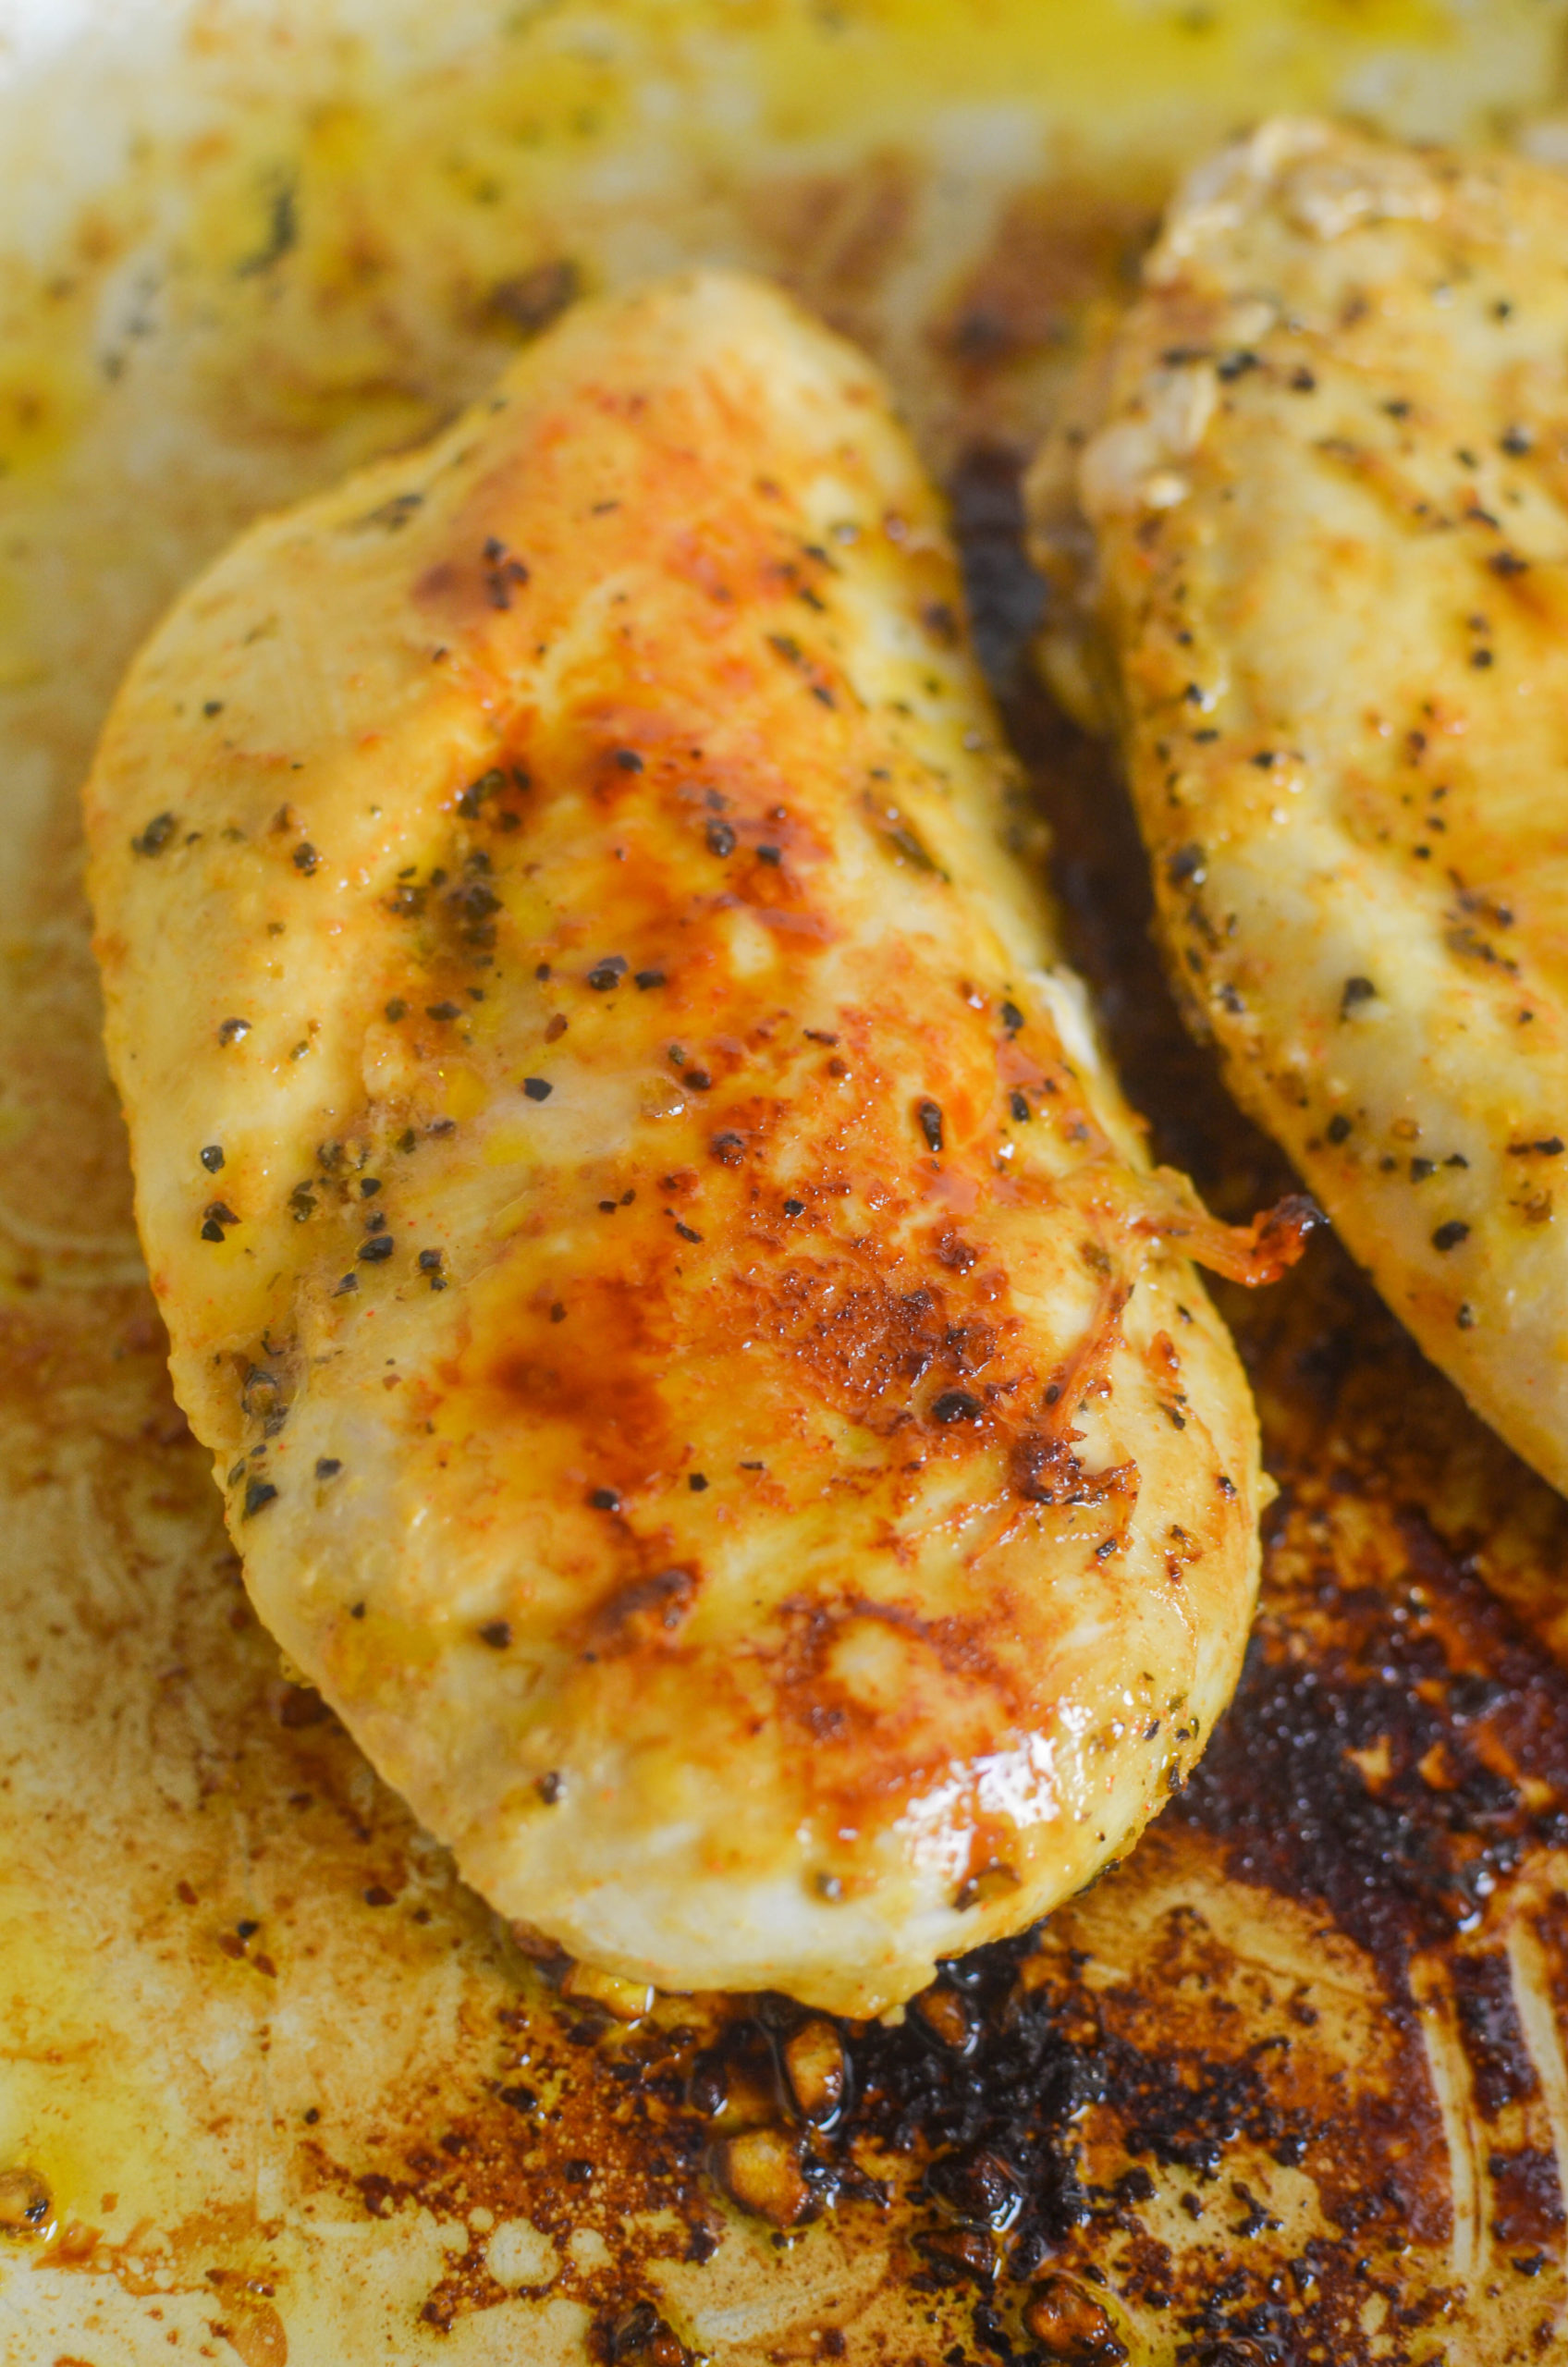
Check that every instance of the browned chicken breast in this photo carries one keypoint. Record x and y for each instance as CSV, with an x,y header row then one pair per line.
x,y
695,1353
1329,486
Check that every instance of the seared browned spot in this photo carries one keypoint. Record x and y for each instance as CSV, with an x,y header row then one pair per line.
x,y
596,1377
639,1615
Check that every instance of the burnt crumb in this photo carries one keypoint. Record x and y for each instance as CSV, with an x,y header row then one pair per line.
x,y
929,1117
956,1406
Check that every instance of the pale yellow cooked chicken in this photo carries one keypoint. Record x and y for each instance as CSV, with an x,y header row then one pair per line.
x,y
690,1339
1328,487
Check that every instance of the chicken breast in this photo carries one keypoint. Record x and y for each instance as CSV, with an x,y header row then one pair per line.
x,y
1328,490
700,1370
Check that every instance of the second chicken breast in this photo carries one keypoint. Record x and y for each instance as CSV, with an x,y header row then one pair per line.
x,y
1326,464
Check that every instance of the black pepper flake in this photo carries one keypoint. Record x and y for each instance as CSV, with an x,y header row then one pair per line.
x,y
1355,992
956,1406
696,1482
496,1633
501,573
259,1493
604,1500
430,1261
377,1250
647,978
443,1011
328,1466
1020,1108
1421,1168
720,839
397,1009
234,1031
1506,563
1450,1235
629,760
1012,1018
1516,441
1187,862
440,1126
698,1079
607,974
1235,365
773,855
349,1283
538,1089
549,1790
156,835
369,1186
1481,657
211,1158
474,796
376,1220
1303,383
1465,1319
795,1207
305,858
928,1115
408,1140
685,1232
211,1231
219,1212
1337,1128
212,706
557,1312
728,1148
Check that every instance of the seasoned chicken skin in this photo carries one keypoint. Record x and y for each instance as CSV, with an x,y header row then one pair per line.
x,y
1329,488
697,1362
